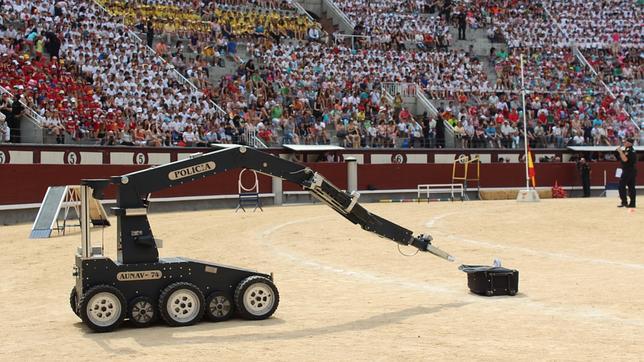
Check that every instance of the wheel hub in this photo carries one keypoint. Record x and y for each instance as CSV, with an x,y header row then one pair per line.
x,y
104,309
142,311
258,299
183,305
220,306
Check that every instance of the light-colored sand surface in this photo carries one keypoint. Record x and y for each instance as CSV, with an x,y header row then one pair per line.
x,y
347,294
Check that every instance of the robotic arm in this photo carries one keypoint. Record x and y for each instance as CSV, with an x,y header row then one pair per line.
x,y
136,243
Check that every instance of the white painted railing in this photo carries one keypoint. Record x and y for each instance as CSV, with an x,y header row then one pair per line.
x,y
390,89
252,139
301,10
426,104
340,37
555,21
583,59
182,80
346,25
410,90
405,89
420,96
40,120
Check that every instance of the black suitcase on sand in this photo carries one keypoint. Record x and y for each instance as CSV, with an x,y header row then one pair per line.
x,y
490,280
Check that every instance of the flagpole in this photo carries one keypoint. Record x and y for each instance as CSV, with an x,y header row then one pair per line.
x,y
525,130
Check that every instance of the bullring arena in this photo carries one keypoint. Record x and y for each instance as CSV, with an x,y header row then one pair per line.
x,y
399,151
347,294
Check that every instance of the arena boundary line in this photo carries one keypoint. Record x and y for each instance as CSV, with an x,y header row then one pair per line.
x,y
575,258
265,235
581,259
234,196
582,312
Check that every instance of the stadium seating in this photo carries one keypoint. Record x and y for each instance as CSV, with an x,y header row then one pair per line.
x,y
281,87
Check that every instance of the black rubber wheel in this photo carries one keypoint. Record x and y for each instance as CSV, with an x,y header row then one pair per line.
x,y
219,307
181,304
142,312
256,298
103,308
73,299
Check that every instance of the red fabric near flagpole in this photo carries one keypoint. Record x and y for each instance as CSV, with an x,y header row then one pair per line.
x,y
531,172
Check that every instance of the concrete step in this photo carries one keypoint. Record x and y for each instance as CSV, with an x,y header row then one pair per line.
x,y
481,45
477,38
327,23
230,65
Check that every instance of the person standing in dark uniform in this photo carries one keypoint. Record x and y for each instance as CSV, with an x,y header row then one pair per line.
x,y
462,23
584,173
447,10
149,36
52,44
440,132
628,158
13,121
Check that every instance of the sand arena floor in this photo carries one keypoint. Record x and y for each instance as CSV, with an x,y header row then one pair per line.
x,y
348,295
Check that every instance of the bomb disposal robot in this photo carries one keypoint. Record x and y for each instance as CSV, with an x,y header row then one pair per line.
x,y
140,286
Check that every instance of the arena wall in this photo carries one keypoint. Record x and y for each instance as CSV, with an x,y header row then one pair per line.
x,y
26,171
23,184
117,155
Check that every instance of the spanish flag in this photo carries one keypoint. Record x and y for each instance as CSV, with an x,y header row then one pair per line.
x,y
531,172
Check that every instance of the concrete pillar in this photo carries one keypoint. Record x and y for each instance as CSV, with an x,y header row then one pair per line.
x,y
86,236
277,191
352,174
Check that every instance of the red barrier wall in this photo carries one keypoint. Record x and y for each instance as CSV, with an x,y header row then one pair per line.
x,y
408,176
21,184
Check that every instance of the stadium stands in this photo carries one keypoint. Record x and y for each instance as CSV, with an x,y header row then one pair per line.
x,y
583,71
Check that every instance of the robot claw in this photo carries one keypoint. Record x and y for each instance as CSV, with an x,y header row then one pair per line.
x,y
424,243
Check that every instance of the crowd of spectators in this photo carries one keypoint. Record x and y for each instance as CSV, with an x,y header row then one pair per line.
x,y
623,72
187,19
96,75
402,24
561,89
208,33
178,17
565,105
557,120
263,4
341,87
81,68
51,87
549,69
523,23
599,24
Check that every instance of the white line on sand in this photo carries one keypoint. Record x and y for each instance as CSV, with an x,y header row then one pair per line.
x,y
581,312
562,256
580,259
437,218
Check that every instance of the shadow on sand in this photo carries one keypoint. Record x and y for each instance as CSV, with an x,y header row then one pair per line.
x,y
161,335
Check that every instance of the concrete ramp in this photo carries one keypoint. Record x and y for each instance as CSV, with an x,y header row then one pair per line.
x,y
66,198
